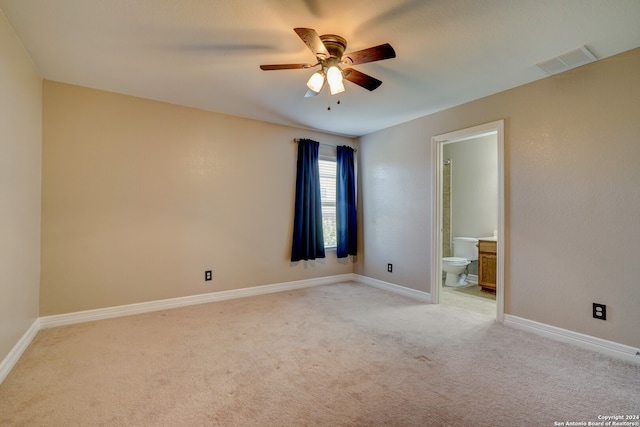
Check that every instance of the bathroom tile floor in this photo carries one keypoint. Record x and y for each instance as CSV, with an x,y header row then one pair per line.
x,y
470,298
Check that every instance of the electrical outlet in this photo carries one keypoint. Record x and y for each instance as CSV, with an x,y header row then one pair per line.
x,y
390,268
599,311
208,275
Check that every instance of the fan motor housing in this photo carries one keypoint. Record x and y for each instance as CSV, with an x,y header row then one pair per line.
x,y
334,44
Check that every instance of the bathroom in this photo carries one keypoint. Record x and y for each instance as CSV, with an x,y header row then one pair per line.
x,y
470,208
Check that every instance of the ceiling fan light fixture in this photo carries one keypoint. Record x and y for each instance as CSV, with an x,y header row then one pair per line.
x,y
334,75
316,81
336,88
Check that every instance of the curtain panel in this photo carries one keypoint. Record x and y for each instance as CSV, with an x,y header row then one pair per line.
x,y
308,240
346,220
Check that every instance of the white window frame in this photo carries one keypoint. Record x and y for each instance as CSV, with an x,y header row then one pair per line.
x,y
328,203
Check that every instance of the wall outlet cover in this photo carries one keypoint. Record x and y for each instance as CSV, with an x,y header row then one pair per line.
x,y
599,311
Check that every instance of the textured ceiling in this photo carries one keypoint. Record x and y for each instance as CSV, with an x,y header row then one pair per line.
x,y
206,53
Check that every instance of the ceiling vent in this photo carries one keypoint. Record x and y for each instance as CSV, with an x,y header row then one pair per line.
x,y
567,61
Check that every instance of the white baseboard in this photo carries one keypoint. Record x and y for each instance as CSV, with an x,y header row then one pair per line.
x,y
13,356
588,342
391,287
150,306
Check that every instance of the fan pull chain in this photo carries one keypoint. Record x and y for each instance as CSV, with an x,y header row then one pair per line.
x,y
329,101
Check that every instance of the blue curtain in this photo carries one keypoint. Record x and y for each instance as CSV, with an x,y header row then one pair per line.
x,y
308,241
346,203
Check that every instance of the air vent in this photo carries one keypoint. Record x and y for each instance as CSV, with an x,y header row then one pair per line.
x,y
567,61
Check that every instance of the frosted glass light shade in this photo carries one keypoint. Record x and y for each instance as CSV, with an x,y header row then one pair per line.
x,y
316,81
336,88
334,76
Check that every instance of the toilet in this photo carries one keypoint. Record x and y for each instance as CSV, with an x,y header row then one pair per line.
x,y
465,250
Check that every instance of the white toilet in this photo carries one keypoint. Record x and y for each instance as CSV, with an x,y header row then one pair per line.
x,y
465,250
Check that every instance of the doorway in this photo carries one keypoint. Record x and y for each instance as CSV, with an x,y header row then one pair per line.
x,y
438,166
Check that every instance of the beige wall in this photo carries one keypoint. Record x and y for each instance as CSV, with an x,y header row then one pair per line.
x,y
395,200
139,198
20,159
572,150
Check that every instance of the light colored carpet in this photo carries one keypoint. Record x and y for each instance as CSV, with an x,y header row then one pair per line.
x,y
336,355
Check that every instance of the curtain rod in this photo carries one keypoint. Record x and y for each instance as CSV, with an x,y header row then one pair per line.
x,y
326,145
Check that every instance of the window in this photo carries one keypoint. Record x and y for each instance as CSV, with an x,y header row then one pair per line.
x,y
327,167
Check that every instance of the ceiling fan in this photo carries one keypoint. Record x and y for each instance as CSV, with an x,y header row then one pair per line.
x,y
329,51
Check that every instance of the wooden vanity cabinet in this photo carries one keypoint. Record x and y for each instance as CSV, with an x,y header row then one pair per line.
x,y
487,265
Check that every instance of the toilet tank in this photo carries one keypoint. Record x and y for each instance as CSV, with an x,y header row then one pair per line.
x,y
465,247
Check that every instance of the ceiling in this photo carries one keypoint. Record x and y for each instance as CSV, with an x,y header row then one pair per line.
x,y
206,53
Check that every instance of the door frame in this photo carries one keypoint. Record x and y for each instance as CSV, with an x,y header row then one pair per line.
x,y
437,142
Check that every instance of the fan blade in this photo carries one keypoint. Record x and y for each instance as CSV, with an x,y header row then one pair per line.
x,y
311,38
377,53
285,67
361,79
